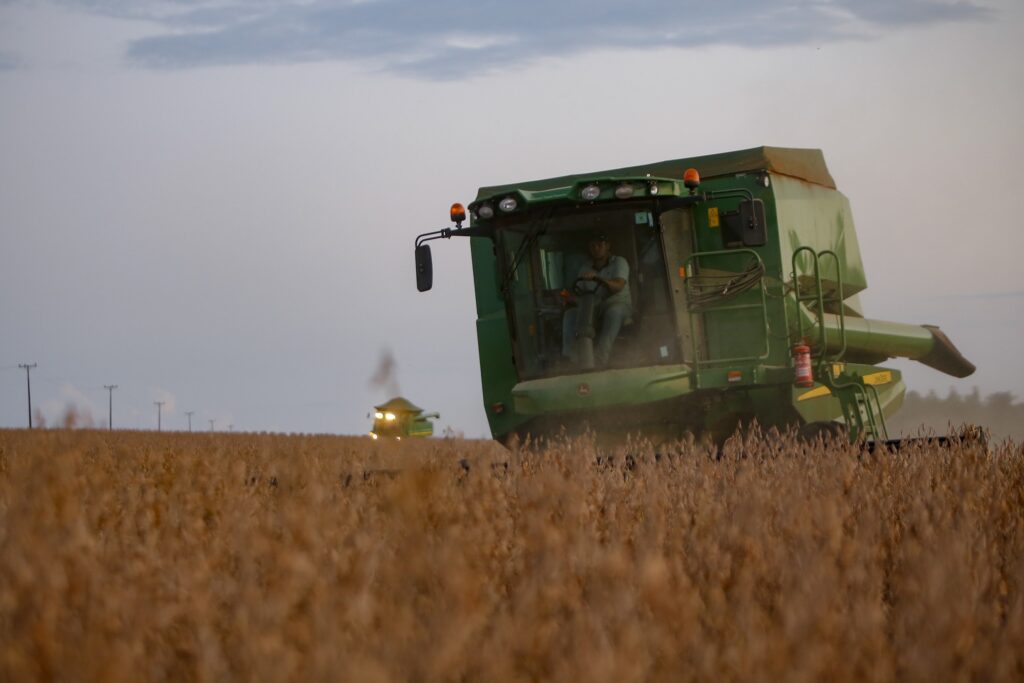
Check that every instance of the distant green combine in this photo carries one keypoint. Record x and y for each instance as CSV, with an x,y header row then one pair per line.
x,y
400,418
744,276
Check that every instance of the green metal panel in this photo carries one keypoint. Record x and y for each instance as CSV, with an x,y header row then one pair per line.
x,y
742,332
602,389
497,372
421,428
821,404
810,215
485,277
737,327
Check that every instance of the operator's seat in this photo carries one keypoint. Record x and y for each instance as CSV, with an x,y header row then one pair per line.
x,y
630,323
625,352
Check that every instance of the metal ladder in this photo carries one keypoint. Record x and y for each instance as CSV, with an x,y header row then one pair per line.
x,y
860,403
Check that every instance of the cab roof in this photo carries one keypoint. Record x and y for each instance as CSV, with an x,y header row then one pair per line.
x,y
399,405
805,164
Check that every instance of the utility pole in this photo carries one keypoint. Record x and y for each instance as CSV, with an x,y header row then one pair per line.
x,y
110,406
190,413
231,428
211,424
28,381
159,407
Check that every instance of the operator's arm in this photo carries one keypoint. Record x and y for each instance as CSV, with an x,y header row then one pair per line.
x,y
615,283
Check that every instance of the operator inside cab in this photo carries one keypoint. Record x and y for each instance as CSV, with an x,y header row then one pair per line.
x,y
604,277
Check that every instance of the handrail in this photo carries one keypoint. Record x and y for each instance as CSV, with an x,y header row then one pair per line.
x,y
815,296
873,418
818,296
838,300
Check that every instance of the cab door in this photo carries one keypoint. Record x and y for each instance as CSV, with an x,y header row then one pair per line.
x,y
678,244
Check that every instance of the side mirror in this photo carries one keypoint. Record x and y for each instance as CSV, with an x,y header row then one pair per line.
x,y
754,226
424,268
745,227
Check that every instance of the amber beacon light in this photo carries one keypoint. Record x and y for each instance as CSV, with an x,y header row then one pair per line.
x,y
691,179
458,213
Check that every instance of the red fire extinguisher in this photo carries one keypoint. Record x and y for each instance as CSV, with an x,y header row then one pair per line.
x,y
803,376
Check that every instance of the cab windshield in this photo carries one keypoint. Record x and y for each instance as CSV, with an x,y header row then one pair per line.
x,y
552,268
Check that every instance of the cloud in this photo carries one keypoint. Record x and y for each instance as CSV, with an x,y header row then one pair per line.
x,y
169,401
451,39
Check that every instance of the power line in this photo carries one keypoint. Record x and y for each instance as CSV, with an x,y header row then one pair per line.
x,y
28,382
110,407
159,408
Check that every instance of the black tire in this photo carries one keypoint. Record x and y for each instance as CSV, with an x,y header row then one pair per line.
x,y
824,431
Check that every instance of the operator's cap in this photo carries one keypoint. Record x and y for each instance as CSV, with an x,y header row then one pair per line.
x,y
599,237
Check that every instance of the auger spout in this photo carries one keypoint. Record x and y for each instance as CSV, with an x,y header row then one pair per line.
x,y
875,340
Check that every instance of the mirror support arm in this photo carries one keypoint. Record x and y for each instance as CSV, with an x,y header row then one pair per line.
x,y
448,233
424,263
668,204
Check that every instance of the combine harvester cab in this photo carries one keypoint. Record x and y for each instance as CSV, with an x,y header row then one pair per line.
x,y
743,279
399,418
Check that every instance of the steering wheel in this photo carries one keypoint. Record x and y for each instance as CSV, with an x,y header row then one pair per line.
x,y
597,284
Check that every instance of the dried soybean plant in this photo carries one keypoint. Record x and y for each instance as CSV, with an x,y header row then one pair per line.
x,y
135,556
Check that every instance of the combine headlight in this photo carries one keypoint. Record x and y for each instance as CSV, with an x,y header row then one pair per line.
x,y
624,191
590,192
390,417
508,204
379,416
373,436
485,211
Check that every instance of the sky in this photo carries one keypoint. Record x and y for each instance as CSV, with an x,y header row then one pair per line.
x,y
213,204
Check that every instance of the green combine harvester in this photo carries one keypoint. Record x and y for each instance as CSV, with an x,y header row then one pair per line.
x,y
693,295
399,418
